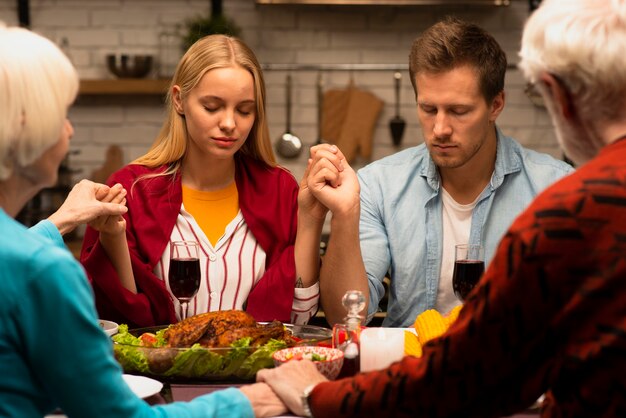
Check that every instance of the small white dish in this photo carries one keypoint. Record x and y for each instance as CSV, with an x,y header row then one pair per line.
x,y
109,327
142,386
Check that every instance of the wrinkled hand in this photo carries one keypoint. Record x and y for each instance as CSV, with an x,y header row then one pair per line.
x,y
265,402
83,204
110,224
331,180
289,381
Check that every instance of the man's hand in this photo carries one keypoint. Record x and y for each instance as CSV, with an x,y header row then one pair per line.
x,y
329,183
289,381
332,181
87,201
265,402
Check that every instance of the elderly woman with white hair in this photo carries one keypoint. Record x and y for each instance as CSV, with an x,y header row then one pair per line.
x,y
53,353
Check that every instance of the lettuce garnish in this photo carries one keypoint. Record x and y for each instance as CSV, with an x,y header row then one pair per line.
x,y
196,362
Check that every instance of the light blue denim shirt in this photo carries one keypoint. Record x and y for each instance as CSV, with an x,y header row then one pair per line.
x,y
401,219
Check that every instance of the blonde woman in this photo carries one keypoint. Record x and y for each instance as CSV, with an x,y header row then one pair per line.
x,y
53,352
211,177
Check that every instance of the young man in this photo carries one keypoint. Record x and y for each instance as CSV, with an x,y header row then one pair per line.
x,y
465,184
548,316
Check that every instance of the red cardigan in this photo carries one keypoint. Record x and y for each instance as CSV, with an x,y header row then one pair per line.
x,y
268,201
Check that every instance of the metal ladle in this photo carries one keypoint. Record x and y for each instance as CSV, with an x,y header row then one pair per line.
x,y
397,123
288,145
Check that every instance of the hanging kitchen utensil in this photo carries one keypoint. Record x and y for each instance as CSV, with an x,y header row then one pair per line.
x,y
320,107
397,123
288,145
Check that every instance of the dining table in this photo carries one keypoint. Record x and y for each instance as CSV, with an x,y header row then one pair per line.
x,y
184,392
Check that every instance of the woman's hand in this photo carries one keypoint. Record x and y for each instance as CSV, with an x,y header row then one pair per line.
x,y
87,201
265,402
331,181
289,380
110,224
308,205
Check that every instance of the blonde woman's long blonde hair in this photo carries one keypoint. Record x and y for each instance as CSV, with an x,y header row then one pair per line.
x,y
208,53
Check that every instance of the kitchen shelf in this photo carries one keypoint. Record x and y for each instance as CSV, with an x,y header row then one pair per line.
x,y
389,2
120,86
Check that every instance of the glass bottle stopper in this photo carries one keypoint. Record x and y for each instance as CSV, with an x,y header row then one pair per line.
x,y
354,302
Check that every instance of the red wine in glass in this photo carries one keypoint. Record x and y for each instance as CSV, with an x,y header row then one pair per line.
x,y
466,275
184,272
184,277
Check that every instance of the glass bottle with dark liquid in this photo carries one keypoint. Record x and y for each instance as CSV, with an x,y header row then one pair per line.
x,y
346,335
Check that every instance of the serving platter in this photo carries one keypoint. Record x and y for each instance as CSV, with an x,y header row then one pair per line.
x,y
202,364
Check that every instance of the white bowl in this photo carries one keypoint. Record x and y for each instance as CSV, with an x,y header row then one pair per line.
x,y
109,327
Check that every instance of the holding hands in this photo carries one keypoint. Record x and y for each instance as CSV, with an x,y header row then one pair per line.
x,y
329,183
110,223
289,380
86,203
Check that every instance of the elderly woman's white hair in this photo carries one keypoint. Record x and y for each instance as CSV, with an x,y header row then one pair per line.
x,y
581,43
37,85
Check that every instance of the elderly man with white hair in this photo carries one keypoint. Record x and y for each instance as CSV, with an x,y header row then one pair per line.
x,y
549,315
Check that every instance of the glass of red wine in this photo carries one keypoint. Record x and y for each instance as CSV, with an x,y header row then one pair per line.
x,y
184,272
469,266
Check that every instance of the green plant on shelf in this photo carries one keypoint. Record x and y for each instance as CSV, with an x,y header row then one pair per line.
x,y
214,23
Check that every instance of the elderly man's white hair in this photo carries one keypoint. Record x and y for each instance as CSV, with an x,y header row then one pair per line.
x,y
582,43
37,84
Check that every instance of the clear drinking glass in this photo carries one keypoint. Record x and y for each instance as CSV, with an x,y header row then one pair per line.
x,y
184,272
469,266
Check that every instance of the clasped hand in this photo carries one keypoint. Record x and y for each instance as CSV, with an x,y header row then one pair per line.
x,y
329,183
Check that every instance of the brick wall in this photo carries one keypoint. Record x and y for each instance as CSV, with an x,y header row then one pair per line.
x,y
278,34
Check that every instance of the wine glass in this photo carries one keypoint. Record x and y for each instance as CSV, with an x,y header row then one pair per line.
x,y
469,266
184,272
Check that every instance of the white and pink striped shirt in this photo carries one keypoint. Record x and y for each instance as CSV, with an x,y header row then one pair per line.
x,y
229,270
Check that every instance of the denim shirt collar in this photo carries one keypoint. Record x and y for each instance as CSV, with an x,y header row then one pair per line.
x,y
508,160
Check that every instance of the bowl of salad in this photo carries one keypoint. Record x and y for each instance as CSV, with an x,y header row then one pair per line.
x,y
327,360
224,345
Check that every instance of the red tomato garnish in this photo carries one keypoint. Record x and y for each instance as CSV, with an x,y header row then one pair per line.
x,y
148,339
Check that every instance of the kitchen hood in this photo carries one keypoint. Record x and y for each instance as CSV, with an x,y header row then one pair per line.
x,y
390,2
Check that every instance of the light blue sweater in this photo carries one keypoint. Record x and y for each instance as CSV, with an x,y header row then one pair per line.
x,y
52,350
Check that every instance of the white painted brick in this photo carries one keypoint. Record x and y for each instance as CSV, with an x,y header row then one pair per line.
x,y
278,18
93,37
334,19
373,40
327,57
101,115
129,134
153,115
63,18
126,17
294,40
140,37
276,56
